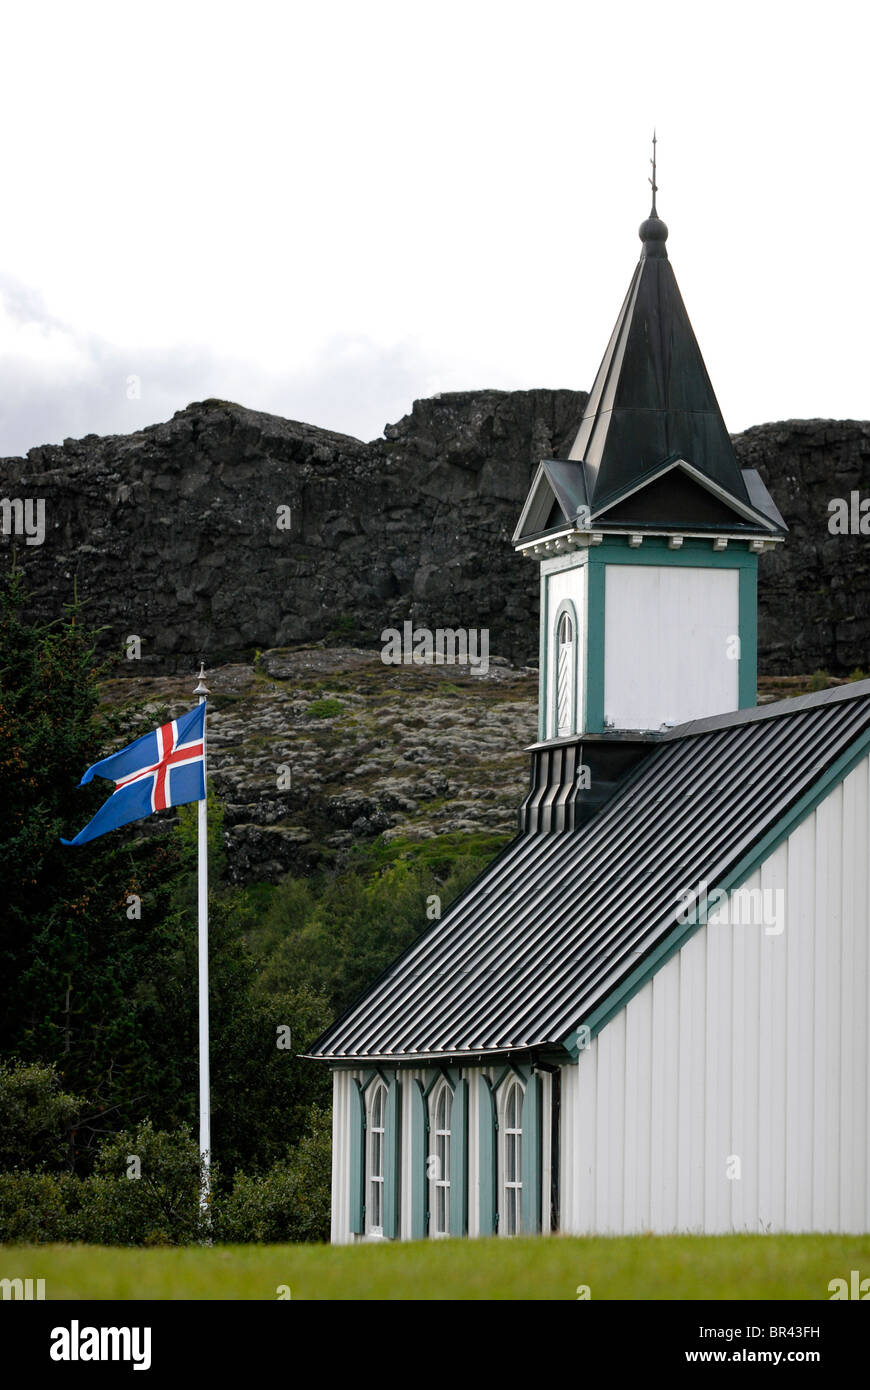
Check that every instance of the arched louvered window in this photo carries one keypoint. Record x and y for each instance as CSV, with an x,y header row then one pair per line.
x,y
375,1150
439,1161
512,1161
565,674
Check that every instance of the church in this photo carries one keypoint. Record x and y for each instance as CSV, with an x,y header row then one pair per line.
x,y
650,1012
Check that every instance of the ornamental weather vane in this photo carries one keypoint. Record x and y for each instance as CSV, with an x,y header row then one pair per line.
x,y
652,181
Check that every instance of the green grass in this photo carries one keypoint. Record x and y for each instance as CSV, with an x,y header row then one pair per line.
x,y
640,1267
324,709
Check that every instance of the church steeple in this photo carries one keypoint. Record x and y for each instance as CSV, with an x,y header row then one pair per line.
x,y
652,401
648,533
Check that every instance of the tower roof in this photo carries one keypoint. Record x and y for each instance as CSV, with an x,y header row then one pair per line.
x,y
652,452
652,400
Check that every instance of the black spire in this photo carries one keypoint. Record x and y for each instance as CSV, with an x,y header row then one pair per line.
x,y
652,400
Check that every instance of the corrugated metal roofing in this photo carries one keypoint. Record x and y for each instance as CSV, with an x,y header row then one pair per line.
x,y
558,922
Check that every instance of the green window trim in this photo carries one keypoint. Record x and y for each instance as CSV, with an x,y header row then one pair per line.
x,y
392,1160
532,1117
357,1158
487,1157
419,1149
459,1160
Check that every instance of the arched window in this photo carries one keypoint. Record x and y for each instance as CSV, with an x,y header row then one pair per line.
x,y
565,674
512,1161
375,1160
438,1166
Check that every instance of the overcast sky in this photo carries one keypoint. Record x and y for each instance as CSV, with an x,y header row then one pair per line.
x,y
327,209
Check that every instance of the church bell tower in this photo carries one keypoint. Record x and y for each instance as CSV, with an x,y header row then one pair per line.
x,y
647,537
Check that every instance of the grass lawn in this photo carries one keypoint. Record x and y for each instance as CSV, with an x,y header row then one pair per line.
x,y
638,1267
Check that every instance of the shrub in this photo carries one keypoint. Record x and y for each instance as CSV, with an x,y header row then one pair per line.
x,y
36,1116
324,709
288,1203
159,1207
38,1207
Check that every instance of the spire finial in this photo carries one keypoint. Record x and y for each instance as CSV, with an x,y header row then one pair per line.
x,y
202,688
653,232
652,181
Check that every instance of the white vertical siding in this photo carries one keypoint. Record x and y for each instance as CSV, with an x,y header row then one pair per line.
x,y
340,1233
672,625
546,1148
747,1044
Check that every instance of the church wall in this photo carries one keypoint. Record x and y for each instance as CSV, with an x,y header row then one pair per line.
x,y
341,1163
666,644
340,1220
748,1052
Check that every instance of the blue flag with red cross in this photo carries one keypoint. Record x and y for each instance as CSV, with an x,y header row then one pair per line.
x,y
163,768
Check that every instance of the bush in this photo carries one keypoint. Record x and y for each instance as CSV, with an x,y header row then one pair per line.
x,y
324,709
159,1207
36,1116
38,1207
288,1203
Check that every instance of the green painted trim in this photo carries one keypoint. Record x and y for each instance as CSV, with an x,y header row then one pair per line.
x,y
593,670
487,1157
459,1160
505,1072
392,1167
357,1158
531,1148
655,551
376,1072
697,554
795,816
542,656
419,1146
441,1073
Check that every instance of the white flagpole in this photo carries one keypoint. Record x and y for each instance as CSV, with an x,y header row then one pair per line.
x,y
202,897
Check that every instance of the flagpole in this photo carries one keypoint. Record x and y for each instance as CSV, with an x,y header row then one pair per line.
x,y
202,902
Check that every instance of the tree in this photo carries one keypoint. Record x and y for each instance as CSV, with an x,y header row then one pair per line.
x,y
70,956
37,1118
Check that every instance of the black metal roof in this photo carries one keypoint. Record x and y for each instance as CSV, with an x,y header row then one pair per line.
x,y
652,399
558,922
652,449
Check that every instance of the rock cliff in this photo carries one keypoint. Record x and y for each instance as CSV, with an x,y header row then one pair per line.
x,y
225,531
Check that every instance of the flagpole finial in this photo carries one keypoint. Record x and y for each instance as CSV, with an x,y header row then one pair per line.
x,y
202,688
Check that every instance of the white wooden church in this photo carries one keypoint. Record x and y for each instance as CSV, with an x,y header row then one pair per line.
x,y
650,1013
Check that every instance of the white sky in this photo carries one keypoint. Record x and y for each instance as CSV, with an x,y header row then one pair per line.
x,y
326,209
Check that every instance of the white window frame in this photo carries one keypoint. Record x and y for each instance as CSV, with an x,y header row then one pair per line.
x,y
565,614
511,1137
375,1159
439,1159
